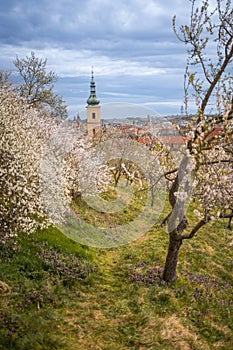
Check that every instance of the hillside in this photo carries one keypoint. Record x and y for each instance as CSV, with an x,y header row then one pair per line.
x,y
56,294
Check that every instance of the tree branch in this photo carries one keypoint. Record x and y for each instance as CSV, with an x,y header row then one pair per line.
x,y
217,77
197,228
226,216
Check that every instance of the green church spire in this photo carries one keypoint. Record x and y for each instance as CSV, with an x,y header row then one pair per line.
x,y
92,100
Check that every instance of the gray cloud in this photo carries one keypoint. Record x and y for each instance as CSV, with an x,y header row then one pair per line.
x,y
131,45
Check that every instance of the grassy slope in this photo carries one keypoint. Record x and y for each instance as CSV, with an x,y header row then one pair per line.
x,y
117,307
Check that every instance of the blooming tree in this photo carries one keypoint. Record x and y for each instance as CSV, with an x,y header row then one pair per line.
x,y
4,78
22,131
31,140
37,86
68,168
205,172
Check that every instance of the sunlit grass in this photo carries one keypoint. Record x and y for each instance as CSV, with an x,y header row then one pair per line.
x,y
110,308
127,213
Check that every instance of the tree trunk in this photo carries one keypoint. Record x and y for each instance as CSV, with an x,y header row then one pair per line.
x,y
169,274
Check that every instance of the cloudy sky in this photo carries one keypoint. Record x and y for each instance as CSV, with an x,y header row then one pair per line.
x,y
136,56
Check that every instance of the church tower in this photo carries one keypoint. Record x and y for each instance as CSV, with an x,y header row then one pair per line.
x,y
93,110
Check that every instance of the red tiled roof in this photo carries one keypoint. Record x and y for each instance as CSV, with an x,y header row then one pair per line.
x,y
173,140
216,132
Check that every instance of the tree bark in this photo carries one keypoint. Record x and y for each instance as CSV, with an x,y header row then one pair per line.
x,y
175,241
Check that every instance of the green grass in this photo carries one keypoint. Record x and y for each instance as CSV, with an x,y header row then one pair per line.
x,y
117,306
106,219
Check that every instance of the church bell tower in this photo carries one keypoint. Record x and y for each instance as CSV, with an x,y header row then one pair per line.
x,y
93,111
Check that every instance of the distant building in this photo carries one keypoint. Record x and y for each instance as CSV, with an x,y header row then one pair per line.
x,y
93,111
